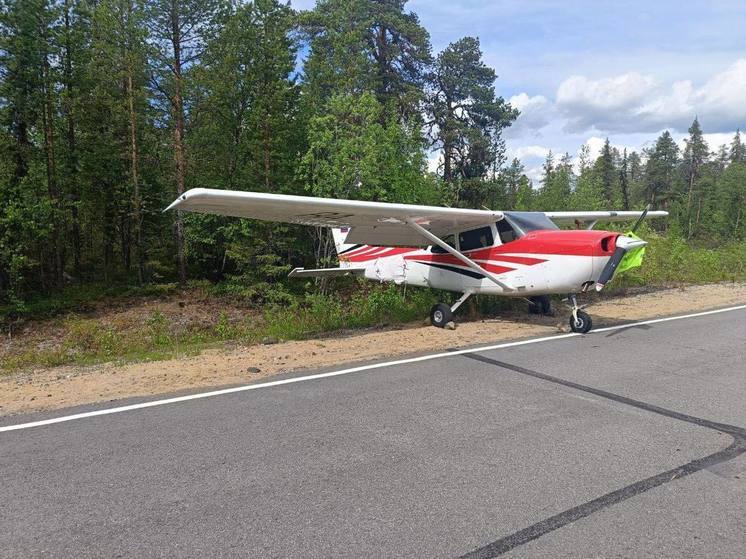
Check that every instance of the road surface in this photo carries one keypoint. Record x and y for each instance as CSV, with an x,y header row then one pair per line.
x,y
622,443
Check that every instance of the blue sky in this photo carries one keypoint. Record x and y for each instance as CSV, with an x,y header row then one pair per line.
x,y
581,70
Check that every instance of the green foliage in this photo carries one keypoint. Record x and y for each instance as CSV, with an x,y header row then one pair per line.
x,y
158,329
367,46
352,155
316,314
671,260
465,115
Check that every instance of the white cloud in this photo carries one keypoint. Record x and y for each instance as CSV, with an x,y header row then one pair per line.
x,y
617,92
528,152
596,143
713,141
536,113
635,103
535,175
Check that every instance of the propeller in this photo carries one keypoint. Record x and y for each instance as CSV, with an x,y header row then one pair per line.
x,y
641,218
623,244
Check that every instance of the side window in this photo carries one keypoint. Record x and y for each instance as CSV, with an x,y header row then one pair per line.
x,y
450,240
476,238
506,232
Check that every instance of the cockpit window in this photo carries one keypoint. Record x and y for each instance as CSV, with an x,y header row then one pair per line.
x,y
449,240
506,231
476,238
525,222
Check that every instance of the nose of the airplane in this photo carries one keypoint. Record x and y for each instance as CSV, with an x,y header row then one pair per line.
x,y
625,242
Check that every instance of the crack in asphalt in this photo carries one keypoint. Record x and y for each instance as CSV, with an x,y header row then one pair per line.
x,y
516,539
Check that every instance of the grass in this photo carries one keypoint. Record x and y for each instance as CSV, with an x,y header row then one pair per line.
x,y
89,340
285,316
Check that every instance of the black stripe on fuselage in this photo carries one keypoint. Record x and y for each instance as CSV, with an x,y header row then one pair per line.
x,y
469,273
353,247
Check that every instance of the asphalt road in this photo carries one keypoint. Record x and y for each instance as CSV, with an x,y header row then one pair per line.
x,y
624,443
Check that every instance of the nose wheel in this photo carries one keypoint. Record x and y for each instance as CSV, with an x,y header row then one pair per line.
x,y
580,321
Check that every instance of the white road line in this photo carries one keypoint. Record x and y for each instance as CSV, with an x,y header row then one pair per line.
x,y
293,380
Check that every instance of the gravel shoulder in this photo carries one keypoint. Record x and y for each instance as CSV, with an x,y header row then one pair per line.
x,y
61,387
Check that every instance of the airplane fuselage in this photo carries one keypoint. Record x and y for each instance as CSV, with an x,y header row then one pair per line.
x,y
538,263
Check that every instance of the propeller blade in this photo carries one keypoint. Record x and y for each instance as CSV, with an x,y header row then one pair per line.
x,y
608,272
641,218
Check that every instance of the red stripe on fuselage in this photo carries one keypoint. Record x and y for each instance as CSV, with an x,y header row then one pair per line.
x,y
562,243
376,252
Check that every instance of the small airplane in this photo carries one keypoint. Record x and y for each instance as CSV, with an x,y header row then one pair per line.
x,y
471,252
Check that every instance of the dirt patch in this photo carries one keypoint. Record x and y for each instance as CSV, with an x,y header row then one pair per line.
x,y
68,386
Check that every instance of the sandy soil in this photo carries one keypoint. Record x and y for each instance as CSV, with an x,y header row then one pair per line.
x,y
68,386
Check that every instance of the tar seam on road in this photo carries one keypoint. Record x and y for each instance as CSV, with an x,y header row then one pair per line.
x,y
511,541
292,380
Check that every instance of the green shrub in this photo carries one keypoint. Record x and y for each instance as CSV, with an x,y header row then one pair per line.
x,y
159,330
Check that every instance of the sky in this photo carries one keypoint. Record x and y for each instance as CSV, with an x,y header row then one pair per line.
x,y
581,71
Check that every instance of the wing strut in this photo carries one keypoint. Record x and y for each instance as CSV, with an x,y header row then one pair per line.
x,y
460,255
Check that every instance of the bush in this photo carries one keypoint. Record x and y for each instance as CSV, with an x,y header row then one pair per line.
x,y
159,330
671,260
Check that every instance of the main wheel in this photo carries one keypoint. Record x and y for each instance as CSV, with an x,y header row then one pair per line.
x,y
440,315
540,305
582,324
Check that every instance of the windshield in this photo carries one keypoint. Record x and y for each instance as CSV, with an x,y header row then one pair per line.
x,y
525,222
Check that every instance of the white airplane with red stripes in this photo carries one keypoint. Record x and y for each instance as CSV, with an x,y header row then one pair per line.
x,y
471,252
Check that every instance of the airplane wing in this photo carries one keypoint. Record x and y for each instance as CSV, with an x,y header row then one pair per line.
x,y
572,217
373,223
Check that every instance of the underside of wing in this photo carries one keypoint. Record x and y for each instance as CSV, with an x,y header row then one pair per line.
x,y
377,223
572,217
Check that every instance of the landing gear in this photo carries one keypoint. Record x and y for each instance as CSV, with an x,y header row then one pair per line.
x,y
540,305
441,314
580,321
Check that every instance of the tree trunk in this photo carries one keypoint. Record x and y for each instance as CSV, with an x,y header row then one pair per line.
x,y
179,155
267,150
73,189
447,172
135,174
692,175
52,187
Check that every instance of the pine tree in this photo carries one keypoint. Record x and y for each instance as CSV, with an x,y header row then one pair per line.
x,y
737,149
466,118
661,171
367,46
606,171
245,135
695,157
624,181
179,30
513,177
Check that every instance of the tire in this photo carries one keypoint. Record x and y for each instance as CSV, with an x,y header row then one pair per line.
x,y
440,315
540,305
583,324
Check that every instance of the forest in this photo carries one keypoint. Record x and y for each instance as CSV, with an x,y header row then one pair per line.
x,y
111,108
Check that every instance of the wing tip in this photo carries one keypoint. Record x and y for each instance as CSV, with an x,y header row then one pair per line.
x,y
191,193
175,203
